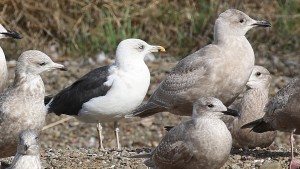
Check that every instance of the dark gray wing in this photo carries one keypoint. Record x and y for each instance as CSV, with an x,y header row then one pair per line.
x,y
281,98
70,100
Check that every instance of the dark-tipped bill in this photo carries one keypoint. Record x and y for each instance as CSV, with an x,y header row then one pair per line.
x,y
231,112
58,66
12,34
262,24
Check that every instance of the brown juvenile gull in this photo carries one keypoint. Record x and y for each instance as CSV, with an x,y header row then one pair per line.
x,y
28,153
4,33
203,142
22,105
282,114
110,92
220,69
251,108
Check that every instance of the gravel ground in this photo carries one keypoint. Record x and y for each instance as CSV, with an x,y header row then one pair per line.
x,y
73,144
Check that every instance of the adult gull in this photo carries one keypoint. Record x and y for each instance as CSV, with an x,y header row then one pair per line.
x,y
28,151
4,33
22,105
220,69
282,114
251,107
203,142
110,92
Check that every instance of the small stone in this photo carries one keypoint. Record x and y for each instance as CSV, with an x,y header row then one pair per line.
x,y
273,165
141,167
235,166
237,157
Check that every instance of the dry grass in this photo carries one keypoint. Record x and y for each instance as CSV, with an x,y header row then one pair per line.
x,y
85,27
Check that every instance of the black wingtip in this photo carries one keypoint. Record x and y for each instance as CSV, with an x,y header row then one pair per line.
x,y
258,126
168,128
47,99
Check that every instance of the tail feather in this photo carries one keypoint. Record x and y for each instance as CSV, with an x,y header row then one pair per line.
x,y
258,126
146,110
168,128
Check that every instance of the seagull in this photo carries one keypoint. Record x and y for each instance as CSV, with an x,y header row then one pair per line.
x,y
22,105
110,92
282,114
251,107
220,69
4,33
28,151
203,142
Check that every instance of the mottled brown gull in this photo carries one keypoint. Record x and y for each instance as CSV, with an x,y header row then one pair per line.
x,y
22,105
220,69
4,33
251,107
200,143
28,151
282,114
108,93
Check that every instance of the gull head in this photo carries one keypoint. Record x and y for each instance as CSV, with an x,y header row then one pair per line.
x,y
4,33
28,142
236,23
208,106
36,62
135,49
260,78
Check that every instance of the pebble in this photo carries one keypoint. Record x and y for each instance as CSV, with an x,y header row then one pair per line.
x,y
273,165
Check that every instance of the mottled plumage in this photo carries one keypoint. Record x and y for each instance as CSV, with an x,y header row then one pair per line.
x,y
220,69
282,114
28,153
200,143
251,108
22,105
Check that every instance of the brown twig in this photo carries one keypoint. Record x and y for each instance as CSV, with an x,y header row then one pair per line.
x,y
57,122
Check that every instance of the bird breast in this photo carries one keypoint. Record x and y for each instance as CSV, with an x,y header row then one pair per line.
x,y
126,93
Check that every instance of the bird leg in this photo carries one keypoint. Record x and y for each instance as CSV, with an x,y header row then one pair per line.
x,y
294,163
99,128
117,135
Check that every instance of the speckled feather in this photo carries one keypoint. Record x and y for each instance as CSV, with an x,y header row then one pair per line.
x,y
203,142
220,69
22,105
251,108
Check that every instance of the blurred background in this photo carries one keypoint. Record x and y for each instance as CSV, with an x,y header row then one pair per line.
x,y
83,28
75,31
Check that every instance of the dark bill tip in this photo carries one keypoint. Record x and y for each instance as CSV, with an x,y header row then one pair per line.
x,y
231,112
12,34
63,69
262,24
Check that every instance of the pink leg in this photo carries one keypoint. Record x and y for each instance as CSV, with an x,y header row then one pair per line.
x,y
294,163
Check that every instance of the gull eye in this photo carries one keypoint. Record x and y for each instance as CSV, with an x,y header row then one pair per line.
x,y
258,74
210,106
42,64
141,47
242,20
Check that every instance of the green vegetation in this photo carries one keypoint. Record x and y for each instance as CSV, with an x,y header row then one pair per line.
x,y
83,28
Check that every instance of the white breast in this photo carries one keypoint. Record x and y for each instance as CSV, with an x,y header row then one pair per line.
x,y
126,93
